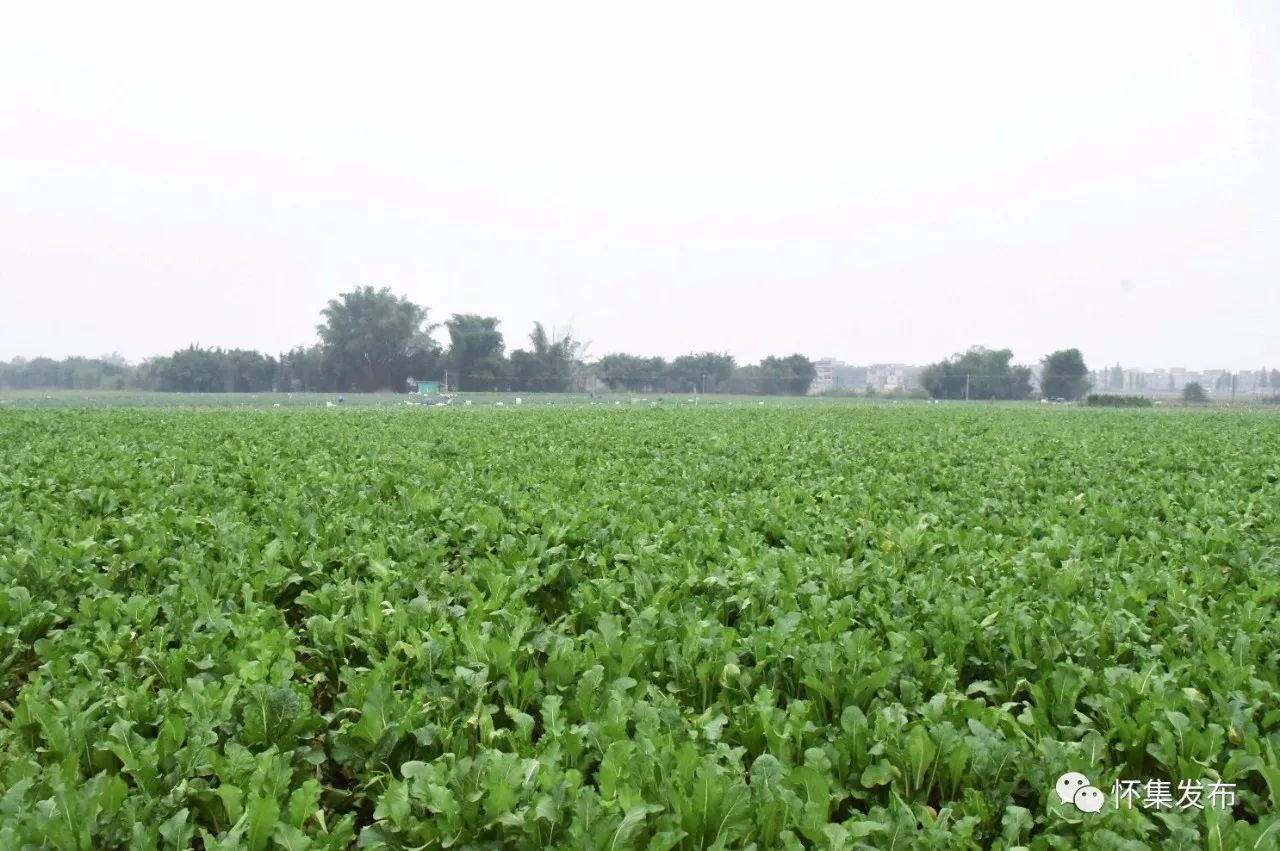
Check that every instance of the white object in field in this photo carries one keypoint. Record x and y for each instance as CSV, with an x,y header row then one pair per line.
x,y
617,403
519,400
762,403
499,404
468,402
276,405
330,405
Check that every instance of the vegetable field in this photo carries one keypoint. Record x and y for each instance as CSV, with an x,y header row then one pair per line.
x,y
622,628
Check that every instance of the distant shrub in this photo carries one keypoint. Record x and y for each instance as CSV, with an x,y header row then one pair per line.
x,y
1194,393
1112,400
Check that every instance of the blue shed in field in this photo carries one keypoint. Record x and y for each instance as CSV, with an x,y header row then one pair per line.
x,y
429,388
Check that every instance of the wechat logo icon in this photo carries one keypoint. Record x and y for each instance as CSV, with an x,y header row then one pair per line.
x,y
1075,789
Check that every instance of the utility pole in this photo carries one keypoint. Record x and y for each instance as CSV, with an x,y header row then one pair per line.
x,y
446,381
966,387
1233,388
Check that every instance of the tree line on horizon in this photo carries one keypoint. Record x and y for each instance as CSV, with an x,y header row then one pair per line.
x,y
990,374
371,340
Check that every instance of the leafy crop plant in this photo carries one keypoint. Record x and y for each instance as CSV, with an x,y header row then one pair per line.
x,y
616,628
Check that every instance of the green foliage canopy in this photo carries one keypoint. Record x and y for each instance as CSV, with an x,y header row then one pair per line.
x,y
979,373
1195,393
375,340
1063,375
475,352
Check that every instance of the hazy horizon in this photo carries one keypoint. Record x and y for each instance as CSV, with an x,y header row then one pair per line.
x,y
880,185
592,356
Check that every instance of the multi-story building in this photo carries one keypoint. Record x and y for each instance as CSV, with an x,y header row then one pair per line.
x,y
1249,381
888,377
1215,379
834,374
1180,377
1173,380
824,378
851,377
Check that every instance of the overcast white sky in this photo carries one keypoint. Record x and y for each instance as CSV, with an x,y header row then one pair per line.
x,y
875,181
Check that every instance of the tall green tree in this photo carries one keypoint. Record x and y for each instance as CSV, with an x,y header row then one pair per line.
x,y
704,373
307,370
746,380
549,365
789,376
248,371
525,371
803,371
1194,393
374,340
621,371
978,373
1117,377
1064,375
475,358
199,370
73,373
